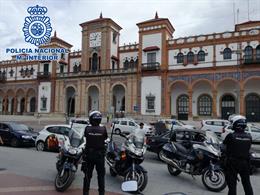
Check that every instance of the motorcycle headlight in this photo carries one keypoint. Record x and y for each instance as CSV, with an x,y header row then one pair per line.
x,y
26,136
72,151
139,152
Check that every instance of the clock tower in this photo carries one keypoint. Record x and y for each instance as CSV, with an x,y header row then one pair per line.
x,y
100,43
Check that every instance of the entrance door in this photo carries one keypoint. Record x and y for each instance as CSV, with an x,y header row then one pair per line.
x,y
252,108
227,106
183,107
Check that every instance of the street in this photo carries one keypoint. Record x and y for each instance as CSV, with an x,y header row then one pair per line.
x,y
41,165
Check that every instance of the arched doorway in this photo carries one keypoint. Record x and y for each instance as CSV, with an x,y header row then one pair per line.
x,y
118,98
70,94
227,106
183,107
252,101
204,105
22,105
94,62
178,90
31,101
93,98
32,104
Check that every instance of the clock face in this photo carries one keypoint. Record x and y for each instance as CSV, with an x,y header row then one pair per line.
x,y
95,39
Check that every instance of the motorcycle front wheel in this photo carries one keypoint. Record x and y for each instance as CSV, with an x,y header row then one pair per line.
x,y
63,182
214,182
141,178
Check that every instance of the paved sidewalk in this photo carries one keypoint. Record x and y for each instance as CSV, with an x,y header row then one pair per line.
x,y
12,184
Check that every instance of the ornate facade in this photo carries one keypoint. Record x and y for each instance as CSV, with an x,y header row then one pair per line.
x,y
211,75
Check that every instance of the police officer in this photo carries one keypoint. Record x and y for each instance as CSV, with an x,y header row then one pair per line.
x,y
238,145
94,152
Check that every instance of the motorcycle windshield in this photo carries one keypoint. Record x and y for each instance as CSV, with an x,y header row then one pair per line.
x,y
138,142
213,139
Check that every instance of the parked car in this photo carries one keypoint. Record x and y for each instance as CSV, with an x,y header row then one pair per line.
x,y
254,130
15,134
175,124
58,130
186,137
215,125
128,126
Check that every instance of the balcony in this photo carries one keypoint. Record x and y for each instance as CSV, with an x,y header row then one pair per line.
x,y
251,59
92,73
43,76
2,78
151,66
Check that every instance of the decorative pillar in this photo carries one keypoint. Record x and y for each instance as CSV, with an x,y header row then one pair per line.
x,y
190,92
241,102
5,105
15,105
214,103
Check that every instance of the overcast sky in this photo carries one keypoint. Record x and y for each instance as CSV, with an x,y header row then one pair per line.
x,y
189,17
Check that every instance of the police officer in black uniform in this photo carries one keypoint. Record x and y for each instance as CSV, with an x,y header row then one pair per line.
x,y
238,145
94,152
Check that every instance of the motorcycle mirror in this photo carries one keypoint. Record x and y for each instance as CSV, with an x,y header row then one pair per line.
x,y
118,132
129,186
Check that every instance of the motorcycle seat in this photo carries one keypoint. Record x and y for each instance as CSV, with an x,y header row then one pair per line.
x,y
181,148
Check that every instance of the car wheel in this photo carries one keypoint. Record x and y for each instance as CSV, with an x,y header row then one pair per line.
x,y
40,146
14,142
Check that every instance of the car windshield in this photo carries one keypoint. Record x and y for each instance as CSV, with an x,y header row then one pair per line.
x,y
19,127
180,123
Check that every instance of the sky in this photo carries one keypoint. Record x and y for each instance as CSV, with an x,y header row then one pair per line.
x,y
189,17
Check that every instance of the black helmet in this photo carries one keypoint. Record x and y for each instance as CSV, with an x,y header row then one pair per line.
x,y
95,118
238,123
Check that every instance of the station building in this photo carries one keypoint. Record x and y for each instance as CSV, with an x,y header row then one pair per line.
x,y
205,76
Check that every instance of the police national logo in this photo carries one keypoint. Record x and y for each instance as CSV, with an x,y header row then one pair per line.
x,y
37,27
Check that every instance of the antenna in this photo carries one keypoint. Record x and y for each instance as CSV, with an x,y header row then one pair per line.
x,y
234,13
237,15
248,10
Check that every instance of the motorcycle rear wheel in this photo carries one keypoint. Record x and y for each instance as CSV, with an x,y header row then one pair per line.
x,y
64,182
173,171
141,178
214,184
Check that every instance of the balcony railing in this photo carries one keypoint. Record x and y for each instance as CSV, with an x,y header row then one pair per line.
x,y
2,78
97,73
44,76
151,66
251,59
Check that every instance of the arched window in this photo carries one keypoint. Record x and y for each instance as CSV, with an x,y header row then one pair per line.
x,y
190,57
180,58
204,105
258,53
227,54
248,53
136,62
126,64
201,56
94,62
132,63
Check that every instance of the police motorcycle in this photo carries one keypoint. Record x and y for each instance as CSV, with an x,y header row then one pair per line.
x,y
201,159
70,156
126,161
